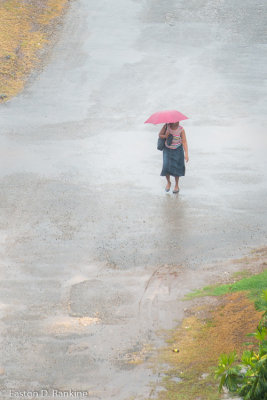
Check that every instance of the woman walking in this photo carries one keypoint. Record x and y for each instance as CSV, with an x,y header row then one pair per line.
x,y
174,153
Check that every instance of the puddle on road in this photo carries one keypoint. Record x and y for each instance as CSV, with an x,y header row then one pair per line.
x,y
68,325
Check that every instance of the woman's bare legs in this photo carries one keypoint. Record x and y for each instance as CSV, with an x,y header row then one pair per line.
x,y
176,188
168,183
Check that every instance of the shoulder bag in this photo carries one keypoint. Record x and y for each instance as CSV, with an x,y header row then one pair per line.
x,y
161,141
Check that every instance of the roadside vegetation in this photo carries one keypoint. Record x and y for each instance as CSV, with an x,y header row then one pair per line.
x,y
211,350
249,377
26,29
253,285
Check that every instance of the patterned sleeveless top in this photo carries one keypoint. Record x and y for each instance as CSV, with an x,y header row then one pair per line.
x,y
177,139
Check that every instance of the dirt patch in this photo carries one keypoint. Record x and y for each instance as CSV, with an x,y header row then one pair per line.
x,y
223,331
27,28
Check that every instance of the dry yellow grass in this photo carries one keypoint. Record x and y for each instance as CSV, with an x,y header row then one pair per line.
x,y
25,29
202,341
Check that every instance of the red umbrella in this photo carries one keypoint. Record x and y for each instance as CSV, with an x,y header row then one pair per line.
x,y
165,116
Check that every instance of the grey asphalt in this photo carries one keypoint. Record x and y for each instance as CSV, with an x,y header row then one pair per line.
x,y
95,256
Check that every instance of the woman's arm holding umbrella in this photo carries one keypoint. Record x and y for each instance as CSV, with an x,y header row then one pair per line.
x,y
164,133
183,135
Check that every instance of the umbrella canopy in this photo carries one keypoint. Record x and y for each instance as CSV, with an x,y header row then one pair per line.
x,y
165,116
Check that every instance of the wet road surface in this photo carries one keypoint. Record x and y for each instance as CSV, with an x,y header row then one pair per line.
x,y
95,256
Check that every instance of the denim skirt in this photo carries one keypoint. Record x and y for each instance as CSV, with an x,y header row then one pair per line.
x,y
173,161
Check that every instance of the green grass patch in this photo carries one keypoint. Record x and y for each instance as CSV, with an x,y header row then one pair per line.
x,y
252,284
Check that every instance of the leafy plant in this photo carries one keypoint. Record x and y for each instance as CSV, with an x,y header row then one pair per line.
x,y
247,379
229,373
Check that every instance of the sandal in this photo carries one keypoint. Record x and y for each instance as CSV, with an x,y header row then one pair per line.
x,y
167,190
